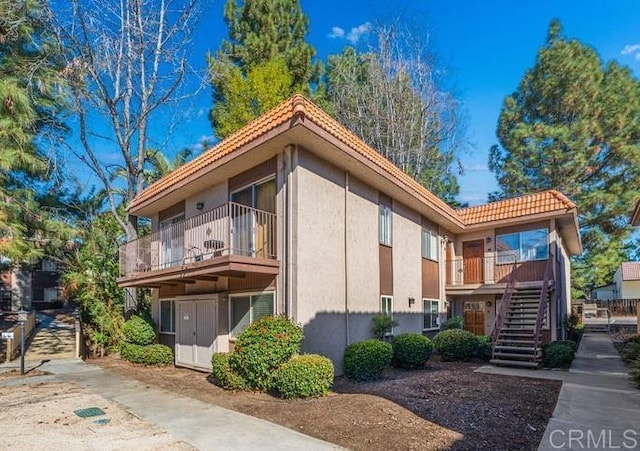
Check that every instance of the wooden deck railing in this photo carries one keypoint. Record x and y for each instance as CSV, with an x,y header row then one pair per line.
x,y
492,269
230,229
618,307
542,304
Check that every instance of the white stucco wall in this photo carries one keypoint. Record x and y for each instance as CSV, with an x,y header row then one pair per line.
x,y
630,289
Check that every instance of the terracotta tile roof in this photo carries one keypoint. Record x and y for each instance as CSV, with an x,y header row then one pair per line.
x,y
630,270
530,204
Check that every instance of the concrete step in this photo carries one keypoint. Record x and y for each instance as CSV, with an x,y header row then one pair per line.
x,y
501,347
514,355
508,342
518,363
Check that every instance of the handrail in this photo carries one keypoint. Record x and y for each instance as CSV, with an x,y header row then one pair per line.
x,y
504,302
542,304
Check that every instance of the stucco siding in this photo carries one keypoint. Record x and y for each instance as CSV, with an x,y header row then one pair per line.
x,y
630,289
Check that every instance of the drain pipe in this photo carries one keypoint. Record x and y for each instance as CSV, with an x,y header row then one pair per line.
x,y
287,235
346,260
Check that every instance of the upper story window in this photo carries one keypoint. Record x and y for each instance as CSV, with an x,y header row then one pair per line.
x,y
260,195
430,244
384,224
523,246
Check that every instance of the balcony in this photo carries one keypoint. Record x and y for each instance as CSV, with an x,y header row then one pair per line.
x,y
492,269
230,240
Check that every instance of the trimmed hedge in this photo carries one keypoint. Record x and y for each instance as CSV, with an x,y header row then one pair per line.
x,y
456,345
484,350
304,376
558,354
138,331
411,350
224,375
262,347
154,354
365,360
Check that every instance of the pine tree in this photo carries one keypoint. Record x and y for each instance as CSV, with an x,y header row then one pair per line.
x,y
574,125
265,61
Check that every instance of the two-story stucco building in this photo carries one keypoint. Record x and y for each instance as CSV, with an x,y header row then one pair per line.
x,y
295,215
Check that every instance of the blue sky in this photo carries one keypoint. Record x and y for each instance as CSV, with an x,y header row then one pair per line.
x,y
485,46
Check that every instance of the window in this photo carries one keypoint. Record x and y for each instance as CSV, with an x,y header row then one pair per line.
x,y
167,316
523,246
429,244
386,309
431,309
172,239
48,265
247,308
385,225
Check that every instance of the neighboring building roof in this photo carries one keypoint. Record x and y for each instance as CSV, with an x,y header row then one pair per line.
x,y
630,270
531,204
635,217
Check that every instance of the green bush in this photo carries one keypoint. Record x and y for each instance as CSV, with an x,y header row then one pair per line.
x,y
634,372
570,343
223,374
304,376
484,350
455,322
365,360
382,325
630,351
262,347
455,344
411,350
155,354
558,354
138,331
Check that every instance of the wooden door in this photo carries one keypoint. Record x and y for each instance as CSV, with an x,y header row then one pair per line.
x,y
474,317
473,261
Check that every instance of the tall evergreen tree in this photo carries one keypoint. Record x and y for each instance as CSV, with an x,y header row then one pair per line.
x,y
31,101
574,125
265,61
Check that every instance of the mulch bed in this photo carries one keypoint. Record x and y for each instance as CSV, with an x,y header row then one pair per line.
x,y
445,406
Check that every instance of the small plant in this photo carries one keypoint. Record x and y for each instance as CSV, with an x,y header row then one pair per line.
x,y
224,375
138,331
155,354
382,326
456,344
411,350
262,347
484,349
558,354
365,360
631,350
575,329
455,322
634,372
304,376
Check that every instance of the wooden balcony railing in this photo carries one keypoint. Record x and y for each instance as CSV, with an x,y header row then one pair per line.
x,y
230,229
492,269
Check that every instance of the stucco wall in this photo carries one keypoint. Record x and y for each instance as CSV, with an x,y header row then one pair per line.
x,y
630,289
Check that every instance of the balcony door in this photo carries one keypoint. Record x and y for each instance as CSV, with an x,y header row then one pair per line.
x,y
172,242
250,228
473,260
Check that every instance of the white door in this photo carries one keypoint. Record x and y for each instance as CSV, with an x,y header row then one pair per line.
x,y
185,333
205,333
195,333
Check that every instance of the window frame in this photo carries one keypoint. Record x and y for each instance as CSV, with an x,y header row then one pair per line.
x,y
173,317
429,245
502,257
250,295
389,299
431,302
385,225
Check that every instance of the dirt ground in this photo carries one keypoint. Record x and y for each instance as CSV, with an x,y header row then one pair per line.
x,y
446,406
42,417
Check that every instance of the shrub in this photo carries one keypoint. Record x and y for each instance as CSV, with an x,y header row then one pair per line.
x,y
138,331
484,349
382,325
455,344
304,376
411,350
365,360
155,354
558,354
455,322
634,372
223,374
630,351
262,347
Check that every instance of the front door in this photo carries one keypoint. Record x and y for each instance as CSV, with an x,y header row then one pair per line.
x,y
185,333
474,317
473,260
195,333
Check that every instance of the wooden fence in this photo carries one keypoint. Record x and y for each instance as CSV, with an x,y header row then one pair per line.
x,y
617,307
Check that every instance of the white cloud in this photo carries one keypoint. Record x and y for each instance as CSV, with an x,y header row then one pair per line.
x,y
336,33
632,49
477,168
357,32
353,36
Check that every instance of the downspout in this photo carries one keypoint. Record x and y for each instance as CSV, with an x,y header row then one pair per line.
x,y
287,234
346,261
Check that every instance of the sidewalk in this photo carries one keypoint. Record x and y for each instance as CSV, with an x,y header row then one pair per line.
x,y
597,408
199,424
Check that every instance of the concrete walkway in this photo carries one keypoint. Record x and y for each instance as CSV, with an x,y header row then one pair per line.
x,y
202,425
598,408
54,338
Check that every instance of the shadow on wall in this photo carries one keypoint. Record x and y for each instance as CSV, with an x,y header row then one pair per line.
x,y
22,294
326,333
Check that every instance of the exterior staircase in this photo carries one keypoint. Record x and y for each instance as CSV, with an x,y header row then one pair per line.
x,y
515,344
